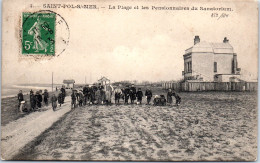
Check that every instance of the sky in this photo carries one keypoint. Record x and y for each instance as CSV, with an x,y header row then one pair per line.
x,y
128,45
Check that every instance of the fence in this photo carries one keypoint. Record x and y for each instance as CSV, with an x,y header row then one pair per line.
x,y
211,86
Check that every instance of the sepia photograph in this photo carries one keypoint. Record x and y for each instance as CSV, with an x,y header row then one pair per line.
x,y
129,80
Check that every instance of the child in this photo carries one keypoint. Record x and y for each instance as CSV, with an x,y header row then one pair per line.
x,y
118,93
73,99
149,95
177,98
32,101
80,97
60,98
45,97
54,102
139,95
169,96
20,98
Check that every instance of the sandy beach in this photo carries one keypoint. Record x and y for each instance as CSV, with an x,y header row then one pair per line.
x,y
208,126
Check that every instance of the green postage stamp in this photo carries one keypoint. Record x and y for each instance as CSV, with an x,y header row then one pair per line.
x,y
38,33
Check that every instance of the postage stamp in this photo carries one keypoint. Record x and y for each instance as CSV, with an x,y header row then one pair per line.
x,y
38,33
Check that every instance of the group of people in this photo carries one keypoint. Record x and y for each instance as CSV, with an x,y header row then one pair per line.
x,y
38,98
171,93
130,93
60,99
96,94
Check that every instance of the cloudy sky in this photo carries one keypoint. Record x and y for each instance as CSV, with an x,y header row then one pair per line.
x,y
128,45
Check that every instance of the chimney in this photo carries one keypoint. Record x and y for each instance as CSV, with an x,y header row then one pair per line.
x,y
225,40
196,40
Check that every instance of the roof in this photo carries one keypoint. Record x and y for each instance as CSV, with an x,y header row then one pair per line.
x,y
69,81
104,79
211,48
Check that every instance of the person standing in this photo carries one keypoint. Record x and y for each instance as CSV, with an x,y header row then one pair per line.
x,y
80,97
149,95
139,95
108,94
63,91
73,99
20,98
60,98
98,96
102,95
85,93
54,102
132,94
169,96
92,95
32,100
45,97
126,94
118,93
38,97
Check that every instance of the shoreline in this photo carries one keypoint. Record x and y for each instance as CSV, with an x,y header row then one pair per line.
x,y
11,91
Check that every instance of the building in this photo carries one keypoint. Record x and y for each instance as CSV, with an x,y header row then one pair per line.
x,y
209,62
105,82
70,83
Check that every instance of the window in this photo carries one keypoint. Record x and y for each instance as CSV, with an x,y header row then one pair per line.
x,y
215,67
190,67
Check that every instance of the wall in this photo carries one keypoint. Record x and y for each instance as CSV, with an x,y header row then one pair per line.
x,y
202,65
224,63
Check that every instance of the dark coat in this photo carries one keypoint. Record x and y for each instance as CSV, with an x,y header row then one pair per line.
x,y
54,99
60,96
139,95
45,95
20,96
63,91
73,96
38,98
127,92
32,101
86,91
169,97
133,93
148,93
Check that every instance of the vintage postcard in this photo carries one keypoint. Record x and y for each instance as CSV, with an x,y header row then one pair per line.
x,y
129,80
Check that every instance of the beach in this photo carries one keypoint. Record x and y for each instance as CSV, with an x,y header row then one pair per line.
x,y
207,126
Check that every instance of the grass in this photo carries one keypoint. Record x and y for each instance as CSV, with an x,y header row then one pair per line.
x,y
10,111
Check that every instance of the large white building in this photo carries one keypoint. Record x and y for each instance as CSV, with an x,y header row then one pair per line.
x,y
209,62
